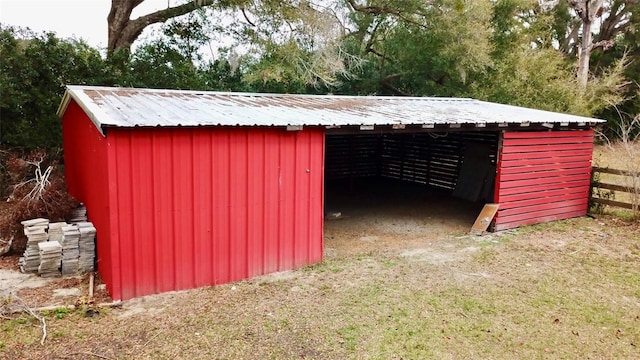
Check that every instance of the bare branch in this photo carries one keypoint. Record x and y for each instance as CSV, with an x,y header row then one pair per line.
x,y
571,39
604,44
24,307
617,21
123,31
386,82
370,49
383,10
246,17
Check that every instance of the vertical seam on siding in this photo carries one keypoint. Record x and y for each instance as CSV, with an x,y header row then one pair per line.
x,y
264,203
174,266
212,240
278,136
193,213
295,198
229,205
247,191
322,190
114,159
133,219
153,208
310,212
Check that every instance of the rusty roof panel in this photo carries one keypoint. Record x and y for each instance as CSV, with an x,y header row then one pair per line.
x,y
130,107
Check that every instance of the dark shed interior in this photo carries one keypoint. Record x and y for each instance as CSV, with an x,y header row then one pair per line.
x,y
461,164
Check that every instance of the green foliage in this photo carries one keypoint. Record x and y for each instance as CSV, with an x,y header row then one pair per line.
x,y
540,76
628,45
277,71
34,68
507,51
58,313
413,48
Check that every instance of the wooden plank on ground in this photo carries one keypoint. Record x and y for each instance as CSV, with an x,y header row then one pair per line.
x,y
484,219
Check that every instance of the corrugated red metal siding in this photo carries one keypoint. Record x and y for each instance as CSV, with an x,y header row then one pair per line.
x,y
85,160
542,176
204,206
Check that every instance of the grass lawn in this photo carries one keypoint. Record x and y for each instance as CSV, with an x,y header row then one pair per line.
x,y
617,156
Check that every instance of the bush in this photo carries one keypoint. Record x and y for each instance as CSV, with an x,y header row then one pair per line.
x,y
37,190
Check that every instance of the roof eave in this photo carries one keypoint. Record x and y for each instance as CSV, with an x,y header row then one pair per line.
x,y
90,109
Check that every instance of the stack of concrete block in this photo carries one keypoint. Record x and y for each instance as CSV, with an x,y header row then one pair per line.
x,y
50,258
79,215
36,232
70,249
55,231
87,246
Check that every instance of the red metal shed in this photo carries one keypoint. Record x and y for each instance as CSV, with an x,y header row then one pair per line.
x,y
189,188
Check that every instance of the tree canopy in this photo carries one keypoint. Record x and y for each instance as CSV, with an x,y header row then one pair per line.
x,y
522,52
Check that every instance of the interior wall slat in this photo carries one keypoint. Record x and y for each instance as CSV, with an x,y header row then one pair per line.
x,y
424,158
545,218
541,193
546,156
545,167
554,175
546,148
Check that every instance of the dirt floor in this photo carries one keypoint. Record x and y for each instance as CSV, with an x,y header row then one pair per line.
x,y
382,217
387,216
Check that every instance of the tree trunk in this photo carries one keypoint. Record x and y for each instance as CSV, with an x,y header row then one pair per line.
x,y
588,11
117,21
585,54
123,30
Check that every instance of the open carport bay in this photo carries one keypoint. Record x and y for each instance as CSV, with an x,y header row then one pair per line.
x,y
391,190
387,214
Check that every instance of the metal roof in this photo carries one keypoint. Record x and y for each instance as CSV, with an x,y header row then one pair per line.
x,y
131,107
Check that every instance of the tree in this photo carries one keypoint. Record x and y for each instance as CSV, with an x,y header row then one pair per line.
x,y
419,47
34,70
587,11
123,31
579,36
541,76
256,27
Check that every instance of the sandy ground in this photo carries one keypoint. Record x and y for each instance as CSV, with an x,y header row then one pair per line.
x,y
380,217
